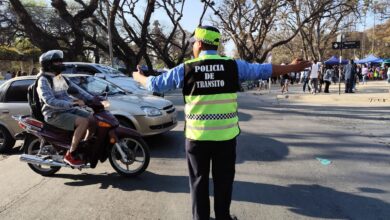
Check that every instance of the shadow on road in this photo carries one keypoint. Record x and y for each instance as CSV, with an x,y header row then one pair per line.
x,y
13,151
249,147
306,200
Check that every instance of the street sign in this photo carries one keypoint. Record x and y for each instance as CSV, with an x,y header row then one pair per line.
x,y
346,45
336,45
351,45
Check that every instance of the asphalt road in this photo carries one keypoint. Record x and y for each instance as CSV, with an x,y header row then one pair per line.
x,y
277,173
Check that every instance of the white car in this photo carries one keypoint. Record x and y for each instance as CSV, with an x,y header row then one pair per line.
x,y
149,115
108,73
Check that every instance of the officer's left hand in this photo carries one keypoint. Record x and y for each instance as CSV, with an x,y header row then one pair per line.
x,y
300,63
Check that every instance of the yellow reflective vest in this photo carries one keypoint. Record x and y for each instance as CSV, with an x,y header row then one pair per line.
x,y
209,90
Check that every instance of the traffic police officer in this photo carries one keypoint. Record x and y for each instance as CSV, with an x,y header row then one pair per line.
x,y
209,84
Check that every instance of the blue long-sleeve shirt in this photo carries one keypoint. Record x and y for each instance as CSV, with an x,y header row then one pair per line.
x,y
173,79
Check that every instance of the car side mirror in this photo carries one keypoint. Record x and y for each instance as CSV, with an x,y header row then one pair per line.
x,y
72,91
100,75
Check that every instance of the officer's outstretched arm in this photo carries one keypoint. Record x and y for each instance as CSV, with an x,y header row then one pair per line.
x,y
295,66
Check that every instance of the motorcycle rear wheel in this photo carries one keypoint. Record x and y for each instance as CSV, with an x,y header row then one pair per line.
x,y
32,147
138,155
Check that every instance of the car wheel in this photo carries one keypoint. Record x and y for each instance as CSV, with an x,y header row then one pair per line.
x,y
6,140
126,123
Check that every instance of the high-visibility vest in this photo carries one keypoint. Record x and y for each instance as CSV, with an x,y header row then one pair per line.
x,y
209,90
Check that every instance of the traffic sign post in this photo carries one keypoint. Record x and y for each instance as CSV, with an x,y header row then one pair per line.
x,y
346,45
340,45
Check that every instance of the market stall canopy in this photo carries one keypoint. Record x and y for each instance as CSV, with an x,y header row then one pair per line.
x,y
386,60
335,61
370,59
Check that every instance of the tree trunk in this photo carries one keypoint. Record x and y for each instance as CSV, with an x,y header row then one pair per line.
x,y
37,36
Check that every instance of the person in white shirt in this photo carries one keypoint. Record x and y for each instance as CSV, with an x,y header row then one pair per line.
x,y
314,77
388,73
365,73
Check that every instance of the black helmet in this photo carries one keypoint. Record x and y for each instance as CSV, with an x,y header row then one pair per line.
x,y
47,59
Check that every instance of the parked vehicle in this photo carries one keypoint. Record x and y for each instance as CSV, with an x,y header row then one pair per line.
x,y
108,73
148,115
45,145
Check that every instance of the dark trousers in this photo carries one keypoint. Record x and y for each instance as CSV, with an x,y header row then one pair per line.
x,y
305,83
222,155
348,85
327,83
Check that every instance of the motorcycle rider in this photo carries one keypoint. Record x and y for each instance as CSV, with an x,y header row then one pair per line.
x,y
58,108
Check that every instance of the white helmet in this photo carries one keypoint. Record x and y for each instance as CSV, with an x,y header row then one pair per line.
x,y
48,58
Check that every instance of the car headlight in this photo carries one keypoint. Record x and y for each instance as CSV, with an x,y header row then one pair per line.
x,y
151,111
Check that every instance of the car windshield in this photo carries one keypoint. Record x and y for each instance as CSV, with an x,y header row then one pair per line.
x,y
97,86
111,71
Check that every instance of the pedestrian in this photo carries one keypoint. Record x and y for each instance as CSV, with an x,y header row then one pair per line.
x,y
349,74
8,75
34,71
328,78
320,77
305,76
284,81
313,82
388,73
19,73
209,84
364,74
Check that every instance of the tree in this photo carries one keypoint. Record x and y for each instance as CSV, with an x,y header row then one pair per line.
x,y
317,34
38,37
253,25
171,43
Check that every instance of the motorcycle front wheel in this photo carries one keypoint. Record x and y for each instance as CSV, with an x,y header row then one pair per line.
x,y
32,144
137,153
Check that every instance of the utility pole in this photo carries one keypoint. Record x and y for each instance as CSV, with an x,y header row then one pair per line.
x,y
109,33
373,34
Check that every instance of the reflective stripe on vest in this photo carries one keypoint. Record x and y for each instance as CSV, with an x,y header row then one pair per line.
x,y
210,85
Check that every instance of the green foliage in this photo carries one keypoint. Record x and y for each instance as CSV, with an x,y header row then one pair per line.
x,y
22,49
34,3
22,44
26,48
9,53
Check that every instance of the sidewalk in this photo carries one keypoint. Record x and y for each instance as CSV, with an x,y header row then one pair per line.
x,y
375,93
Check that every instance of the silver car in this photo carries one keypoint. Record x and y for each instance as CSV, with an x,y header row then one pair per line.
x,y
149,115
108,73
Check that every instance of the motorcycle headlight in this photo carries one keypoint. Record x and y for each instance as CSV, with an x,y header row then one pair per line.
x,y
151,111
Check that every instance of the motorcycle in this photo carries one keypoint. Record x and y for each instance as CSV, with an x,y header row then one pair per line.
x,y
45,145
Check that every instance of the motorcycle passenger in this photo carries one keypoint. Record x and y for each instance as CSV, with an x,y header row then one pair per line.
x,y
58,108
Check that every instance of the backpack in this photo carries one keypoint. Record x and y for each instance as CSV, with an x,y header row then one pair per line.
x,y
33,99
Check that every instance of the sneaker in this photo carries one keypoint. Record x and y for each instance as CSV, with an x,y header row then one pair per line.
x,y
72,160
